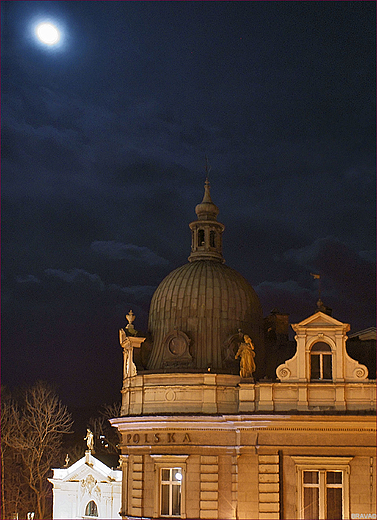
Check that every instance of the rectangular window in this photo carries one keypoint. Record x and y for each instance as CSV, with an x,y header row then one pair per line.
x,y
326,366
321,366
334,494
311,494
171,486
323,495
323,487
315,367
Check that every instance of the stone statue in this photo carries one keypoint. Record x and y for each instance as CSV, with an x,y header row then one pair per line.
x,y
129,367
89,439
247,354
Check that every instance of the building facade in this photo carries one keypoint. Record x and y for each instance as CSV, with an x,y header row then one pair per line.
x,y
86,489
205,434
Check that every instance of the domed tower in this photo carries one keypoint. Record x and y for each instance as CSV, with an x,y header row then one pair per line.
x,y
200,311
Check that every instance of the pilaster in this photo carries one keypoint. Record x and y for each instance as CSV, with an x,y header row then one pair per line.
x,y
269,487
124,499
209,486
136,498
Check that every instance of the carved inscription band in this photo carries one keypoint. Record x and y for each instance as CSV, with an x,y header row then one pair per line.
x,y
157,438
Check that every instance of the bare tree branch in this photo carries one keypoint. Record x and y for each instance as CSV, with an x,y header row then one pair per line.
x,y
35,430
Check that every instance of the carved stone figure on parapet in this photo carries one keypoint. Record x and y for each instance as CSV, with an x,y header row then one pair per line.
x,y
129,367
247,355
129,339
89,439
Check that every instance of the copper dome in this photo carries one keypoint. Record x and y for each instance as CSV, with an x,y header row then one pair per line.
x,y
208,302
199,309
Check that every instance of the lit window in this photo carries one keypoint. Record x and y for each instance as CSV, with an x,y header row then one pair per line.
x,y
170,471
201,237
171,485
320,362
323,487
91,509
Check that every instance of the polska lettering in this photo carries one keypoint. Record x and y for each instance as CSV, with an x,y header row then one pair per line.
x,y
156,438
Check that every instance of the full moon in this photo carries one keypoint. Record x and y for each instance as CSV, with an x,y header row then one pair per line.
x,y
47,33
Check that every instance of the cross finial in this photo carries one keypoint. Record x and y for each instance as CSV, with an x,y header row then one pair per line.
x,y
208,168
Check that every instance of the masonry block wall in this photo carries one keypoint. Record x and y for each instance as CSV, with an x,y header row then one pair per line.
x,y
269,486
209,486
193,486
288,487
363,485
248,486
136,496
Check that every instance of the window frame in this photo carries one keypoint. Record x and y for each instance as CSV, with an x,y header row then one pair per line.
x,y
322,465
169,462
86,507
321,355
170,484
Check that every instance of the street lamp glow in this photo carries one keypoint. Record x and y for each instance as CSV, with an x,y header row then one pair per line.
x,y
47,33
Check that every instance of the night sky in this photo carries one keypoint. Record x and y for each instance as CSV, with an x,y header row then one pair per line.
x,y
104,139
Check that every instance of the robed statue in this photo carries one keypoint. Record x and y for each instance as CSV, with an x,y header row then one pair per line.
x,y
125,339
247,355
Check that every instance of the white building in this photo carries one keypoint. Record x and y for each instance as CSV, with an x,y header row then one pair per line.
x,y
87,489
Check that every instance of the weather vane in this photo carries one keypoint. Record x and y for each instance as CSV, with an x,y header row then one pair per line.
x,y
317,277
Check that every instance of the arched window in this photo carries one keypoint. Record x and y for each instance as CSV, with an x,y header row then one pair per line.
x,y
201,237
320,362
91,509
212,236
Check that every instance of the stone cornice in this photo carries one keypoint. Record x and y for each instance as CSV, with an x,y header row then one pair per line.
x,y
302,423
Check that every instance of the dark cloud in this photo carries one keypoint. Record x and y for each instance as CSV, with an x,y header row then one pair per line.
x,y
103,162
130,252
347,280
30,278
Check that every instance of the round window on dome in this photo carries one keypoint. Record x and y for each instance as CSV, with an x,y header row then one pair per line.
x,y
177,346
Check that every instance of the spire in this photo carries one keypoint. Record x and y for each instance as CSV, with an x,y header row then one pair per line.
x,y
206,231
207,210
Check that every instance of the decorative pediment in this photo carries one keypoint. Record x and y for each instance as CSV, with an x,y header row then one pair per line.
x,y
320,320
321,354
87,469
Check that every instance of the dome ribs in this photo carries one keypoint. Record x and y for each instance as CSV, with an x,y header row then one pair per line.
x,y
208,301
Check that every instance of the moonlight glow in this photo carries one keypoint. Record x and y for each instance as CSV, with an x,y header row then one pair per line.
x,y
47,33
